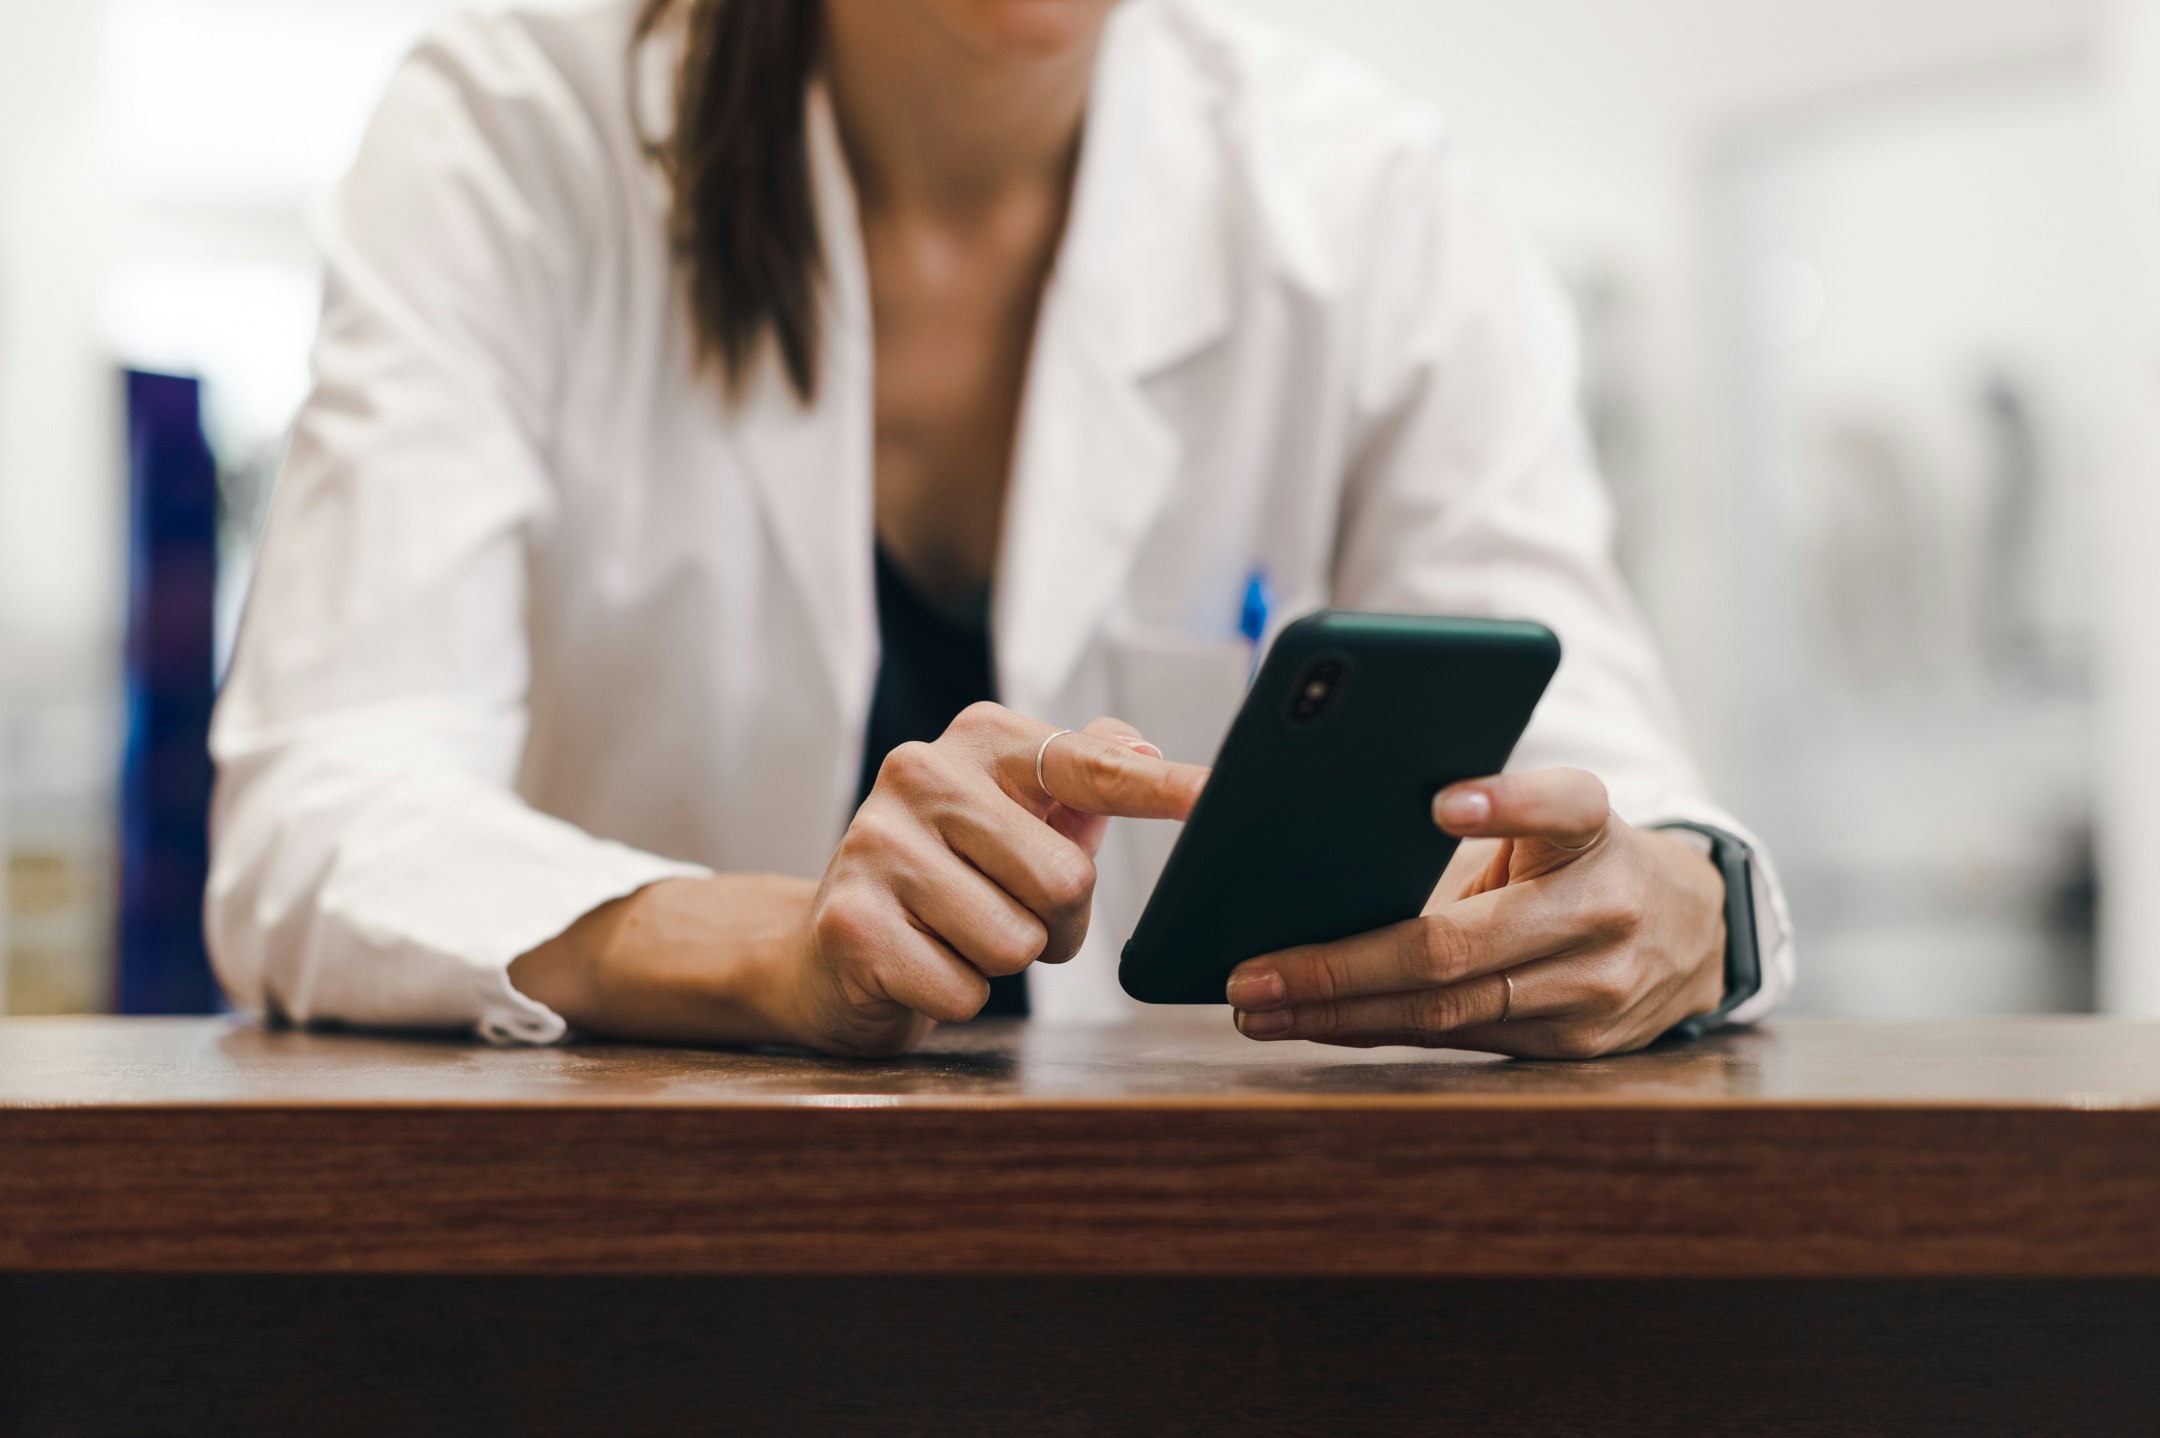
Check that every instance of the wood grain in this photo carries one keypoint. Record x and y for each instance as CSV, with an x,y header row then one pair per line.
x,y
1169,1147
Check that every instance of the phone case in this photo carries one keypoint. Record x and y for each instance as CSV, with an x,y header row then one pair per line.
x,y
1317,826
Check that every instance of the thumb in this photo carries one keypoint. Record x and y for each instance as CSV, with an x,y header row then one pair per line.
x,y
1567,809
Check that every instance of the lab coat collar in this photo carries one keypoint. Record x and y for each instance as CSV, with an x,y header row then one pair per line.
x,y
1142,283
1147,256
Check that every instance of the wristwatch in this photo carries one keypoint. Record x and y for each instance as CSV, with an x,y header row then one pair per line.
x,y
1743,957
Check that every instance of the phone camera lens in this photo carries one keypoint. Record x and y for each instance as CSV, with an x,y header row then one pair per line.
x,y
1316,690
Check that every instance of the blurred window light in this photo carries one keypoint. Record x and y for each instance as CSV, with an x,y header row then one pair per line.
x,y
244,324
256,104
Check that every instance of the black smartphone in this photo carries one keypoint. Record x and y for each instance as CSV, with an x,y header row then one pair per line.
x,y
1317,823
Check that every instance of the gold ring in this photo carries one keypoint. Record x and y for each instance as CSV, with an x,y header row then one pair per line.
x,y
1038,763
1507,1004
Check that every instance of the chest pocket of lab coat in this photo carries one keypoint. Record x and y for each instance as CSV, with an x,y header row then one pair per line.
x,y
1181,692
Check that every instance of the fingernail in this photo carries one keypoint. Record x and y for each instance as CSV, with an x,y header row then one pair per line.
x,y
1263,1026
1260,988
1139,745
1463,808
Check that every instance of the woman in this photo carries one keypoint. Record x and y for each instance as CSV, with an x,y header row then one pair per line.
x,y
716,398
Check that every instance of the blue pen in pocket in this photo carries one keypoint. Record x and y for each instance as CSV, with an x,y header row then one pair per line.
x,y
1253,617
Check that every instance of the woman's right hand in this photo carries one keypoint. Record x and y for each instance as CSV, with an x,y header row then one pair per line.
x,y
961,865
958,866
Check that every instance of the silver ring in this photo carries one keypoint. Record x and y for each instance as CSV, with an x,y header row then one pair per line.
x,y
1507,1005
1038,764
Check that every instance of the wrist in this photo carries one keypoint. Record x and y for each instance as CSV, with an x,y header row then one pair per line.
x,y
561,973
711,960
1699,888
762,988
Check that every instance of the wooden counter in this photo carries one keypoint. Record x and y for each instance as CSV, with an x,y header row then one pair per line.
x,y
1154,1199
1175,1146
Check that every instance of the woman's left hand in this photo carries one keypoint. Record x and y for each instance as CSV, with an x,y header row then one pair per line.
x,y
1560,933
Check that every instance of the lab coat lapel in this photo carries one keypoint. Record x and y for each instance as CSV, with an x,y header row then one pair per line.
x,y
1095,464
812,464
1142,283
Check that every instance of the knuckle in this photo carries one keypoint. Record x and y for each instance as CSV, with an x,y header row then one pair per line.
x,y
1442,949
1065,940
1015,944
1316,1021
1437,1010
871,834
1105,764
1612,909
980,717
973,995
964,1003
912,765
844,925
1068,878
1608,988
1336,975
1581,1041
1317,978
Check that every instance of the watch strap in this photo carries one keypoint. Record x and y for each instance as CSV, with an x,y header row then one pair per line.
x,y
1735,861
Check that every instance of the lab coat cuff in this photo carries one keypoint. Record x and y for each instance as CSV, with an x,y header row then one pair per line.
x,y
507,1016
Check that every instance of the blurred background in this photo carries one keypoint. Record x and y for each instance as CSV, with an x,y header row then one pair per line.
x,y
1870,293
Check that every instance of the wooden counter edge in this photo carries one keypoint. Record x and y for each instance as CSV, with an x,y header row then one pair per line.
x,y
1873,1190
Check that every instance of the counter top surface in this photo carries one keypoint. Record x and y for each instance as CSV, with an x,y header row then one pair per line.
x,y
1175,1058
1169,1145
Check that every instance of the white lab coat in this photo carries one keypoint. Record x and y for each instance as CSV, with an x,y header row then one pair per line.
x,y
541,618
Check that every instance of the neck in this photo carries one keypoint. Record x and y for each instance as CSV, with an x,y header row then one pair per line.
x,y
929,121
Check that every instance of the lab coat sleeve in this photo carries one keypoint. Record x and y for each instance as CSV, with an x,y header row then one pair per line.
x,y
372,862
1474,492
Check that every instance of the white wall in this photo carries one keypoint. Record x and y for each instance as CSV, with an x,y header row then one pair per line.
x,y
2130,750
1920,611
1600,122
59,485
59,459
155,159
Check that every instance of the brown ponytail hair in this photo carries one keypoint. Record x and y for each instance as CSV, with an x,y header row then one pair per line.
x,y
741,219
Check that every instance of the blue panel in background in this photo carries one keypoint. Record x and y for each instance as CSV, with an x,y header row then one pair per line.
x,y
165,777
